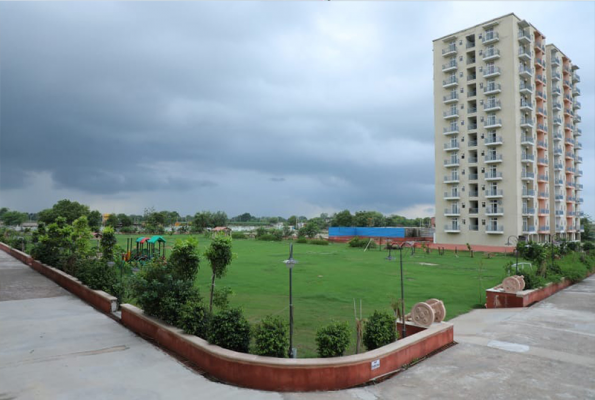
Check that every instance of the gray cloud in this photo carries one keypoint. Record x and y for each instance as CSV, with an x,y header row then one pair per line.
x,y
217,104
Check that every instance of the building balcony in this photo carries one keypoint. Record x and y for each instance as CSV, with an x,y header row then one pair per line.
x,y
556,91
473,177
491,54
543,178
555,61
474,227
493,141
452,212
576,105
558,151
452,145
490,37
493,229
569,141
542,127
494,193
544,229
472,143
528,193
559,182
529,229
527,140
450,82
473,193
543,211
578,159
541,78
556,76
568,98
525,54
541,111
542,161
492,89
492,123
451,98
559,213
558,167
524,36
559,197
493,158
566,83
494,211
527,122
491,72
539,61
570,199
540,46
449,66
527,176
557,106
568,112
578,132
492,106
568,126
579,172
526,88
452,162
450,50
493,176
528,211
451,179
540,95
472,127
576,91
472,160
542,144
569,155
525,72
471,110
526,105
452,228
527,158
452,195
451,130
570,170
577,118
450,114
575,77
543,195
560,229
471,77
557,136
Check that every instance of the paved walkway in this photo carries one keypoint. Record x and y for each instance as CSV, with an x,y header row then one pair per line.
x,y
54,346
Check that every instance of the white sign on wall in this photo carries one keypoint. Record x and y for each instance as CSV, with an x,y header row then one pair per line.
x,y
375,364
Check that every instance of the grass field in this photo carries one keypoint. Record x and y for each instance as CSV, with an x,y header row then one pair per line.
x,y
328,278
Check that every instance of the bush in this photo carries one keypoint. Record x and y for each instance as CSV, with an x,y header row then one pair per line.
x,y
159,294
270,337
238,235
332,339
269,238
588,246
194,318
362,242
379,330
319,242
532,280
230,330
302,240
99,276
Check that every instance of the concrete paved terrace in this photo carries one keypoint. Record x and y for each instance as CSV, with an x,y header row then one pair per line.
x,y
54,346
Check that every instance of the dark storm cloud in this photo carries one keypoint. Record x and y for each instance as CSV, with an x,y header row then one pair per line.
x,y
115,98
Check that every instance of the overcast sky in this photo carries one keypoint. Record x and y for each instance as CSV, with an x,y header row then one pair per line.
x,y
271,108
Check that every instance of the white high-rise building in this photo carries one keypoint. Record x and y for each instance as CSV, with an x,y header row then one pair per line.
x,y
507,137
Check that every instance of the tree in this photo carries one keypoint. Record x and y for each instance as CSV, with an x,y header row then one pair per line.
x,y
124,220
112,220
310,229
184,260
94,219
219,255
218,219
588,235
292,221
108,242
343,218
13,218
70,210
369,218
201,221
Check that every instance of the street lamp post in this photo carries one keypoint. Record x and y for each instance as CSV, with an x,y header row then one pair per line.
x,y
290,263
516,250
400,247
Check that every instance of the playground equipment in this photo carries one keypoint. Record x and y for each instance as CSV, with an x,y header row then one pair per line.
x,y
513,284
427,312
146,248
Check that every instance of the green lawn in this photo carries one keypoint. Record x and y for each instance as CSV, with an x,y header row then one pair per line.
x,y
328,278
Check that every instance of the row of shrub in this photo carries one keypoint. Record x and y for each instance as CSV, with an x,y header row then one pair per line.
x,y
552,263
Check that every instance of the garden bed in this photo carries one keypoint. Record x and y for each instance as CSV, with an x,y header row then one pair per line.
x,y
497,298
99,299
278,374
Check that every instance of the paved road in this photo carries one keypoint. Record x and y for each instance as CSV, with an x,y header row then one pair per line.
x,y
54,346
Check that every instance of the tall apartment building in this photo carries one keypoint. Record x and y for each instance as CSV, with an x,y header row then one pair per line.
x,y
506,136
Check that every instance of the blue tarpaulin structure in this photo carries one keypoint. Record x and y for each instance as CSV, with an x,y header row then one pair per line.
x,y
390,232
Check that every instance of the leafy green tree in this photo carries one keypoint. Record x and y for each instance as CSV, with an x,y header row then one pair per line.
x,y
271,338
184,259
218,219
112,220
342,218
310,229
125,220
219,255
70,210
201,221
108,243
588,235
94,219
369,218
13,218
292,221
